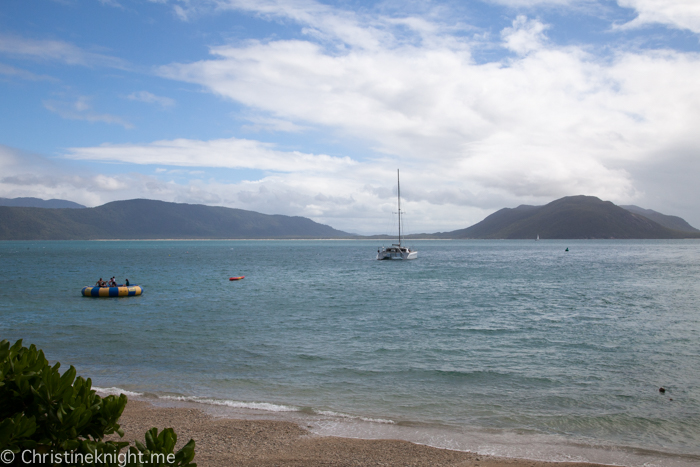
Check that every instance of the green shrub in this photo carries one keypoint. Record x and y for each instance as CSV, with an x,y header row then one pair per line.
x,y
61,417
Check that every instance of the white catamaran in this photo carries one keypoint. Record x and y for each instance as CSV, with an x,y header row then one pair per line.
x,y
396,251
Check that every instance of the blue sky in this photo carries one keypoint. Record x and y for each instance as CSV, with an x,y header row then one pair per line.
x,y
307,108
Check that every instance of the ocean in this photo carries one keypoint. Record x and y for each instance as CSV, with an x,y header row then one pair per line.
x,y
515,348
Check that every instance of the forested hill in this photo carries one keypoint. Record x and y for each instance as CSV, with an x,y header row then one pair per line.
x,y
39,203
148,219
672,222
569,218
566,218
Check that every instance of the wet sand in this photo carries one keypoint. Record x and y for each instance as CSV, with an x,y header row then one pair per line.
x,y
223,442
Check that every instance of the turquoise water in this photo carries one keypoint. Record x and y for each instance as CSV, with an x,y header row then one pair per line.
x,y
506,347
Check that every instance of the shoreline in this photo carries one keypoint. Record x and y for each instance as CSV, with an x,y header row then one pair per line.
x,y
231,441
338,239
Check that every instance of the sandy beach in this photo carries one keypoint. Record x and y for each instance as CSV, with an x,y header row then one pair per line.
x,y
230,442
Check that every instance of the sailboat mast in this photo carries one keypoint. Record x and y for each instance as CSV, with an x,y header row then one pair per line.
x,y
398,184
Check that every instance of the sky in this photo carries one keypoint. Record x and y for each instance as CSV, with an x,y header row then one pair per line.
x,y
308,108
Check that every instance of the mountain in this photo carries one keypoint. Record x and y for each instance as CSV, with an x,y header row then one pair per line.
x,y
148,219
565,218
671,222
568,218
39,203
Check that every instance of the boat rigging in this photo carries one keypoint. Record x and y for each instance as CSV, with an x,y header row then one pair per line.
x,y
396,250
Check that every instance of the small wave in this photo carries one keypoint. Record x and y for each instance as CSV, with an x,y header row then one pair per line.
x,y
116,391
330,413
266,406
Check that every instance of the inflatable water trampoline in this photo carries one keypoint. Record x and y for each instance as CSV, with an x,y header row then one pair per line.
x,y
119,291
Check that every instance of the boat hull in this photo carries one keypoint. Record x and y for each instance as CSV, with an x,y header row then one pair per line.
x,y
393,254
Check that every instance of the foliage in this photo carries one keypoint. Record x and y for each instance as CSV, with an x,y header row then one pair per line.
x,y
163,443
48,413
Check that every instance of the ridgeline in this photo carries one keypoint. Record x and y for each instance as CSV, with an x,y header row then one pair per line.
x,y
671,222
574,217
39,203
141,219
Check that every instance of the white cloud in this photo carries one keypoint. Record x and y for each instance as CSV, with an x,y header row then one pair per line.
x,y
81,109
533,3
11,71
28,174
56,51
112,3
325,23
525,36
555,107
681,14
145,96
272,124
181,13
225,153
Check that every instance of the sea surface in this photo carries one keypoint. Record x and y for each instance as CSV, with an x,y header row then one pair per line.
x,y
515,348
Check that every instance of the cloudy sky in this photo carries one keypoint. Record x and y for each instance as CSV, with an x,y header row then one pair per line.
x,y
304,107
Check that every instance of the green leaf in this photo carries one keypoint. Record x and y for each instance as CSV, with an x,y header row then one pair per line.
x,y
42,409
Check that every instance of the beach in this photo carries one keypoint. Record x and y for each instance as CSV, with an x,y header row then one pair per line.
x,y
224,442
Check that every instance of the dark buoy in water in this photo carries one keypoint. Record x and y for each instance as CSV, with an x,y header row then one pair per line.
x,y
662,390
567,249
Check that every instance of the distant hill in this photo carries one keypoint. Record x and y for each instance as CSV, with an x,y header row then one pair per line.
x,y
568,218
671,222
148,219
39,203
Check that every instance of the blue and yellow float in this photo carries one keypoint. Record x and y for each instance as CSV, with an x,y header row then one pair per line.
x,y
119,291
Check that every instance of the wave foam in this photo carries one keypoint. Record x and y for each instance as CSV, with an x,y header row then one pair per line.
x,y
263,406
116,391
266,406
330,413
